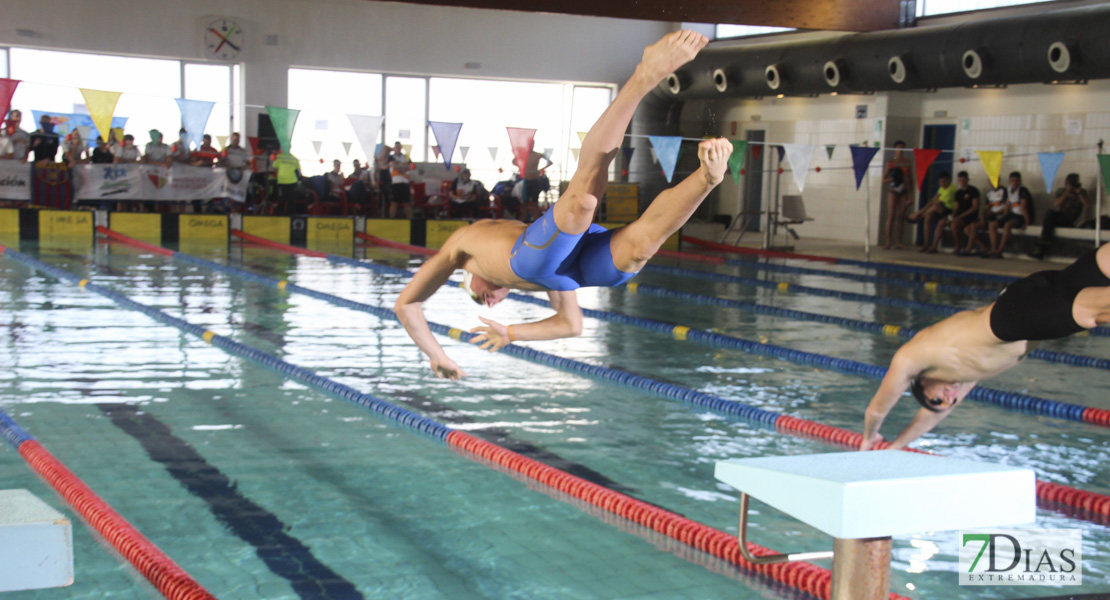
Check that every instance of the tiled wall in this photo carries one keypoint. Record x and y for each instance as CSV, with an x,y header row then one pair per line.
x,y
1020,121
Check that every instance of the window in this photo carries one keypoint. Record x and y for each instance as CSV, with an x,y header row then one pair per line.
x,y
928,8
405,114
325,98
211,83
731,31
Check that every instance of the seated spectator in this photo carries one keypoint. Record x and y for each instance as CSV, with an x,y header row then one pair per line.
x,y
967,211
1021,212
510,197
938,208
44,142
335,177
74,148
179,152
358,174
997,207
127,152
14,142
467,195
156,152
102,154
206,155
1067,210
233,155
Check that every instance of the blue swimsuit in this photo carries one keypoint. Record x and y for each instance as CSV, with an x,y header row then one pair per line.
x,y
559,261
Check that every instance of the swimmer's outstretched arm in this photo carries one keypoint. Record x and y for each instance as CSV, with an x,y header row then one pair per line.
x,y
566,322
897,380
409,307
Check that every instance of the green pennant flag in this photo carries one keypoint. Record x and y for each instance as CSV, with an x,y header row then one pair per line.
x,y
283,120
830,149
736,161
1104,164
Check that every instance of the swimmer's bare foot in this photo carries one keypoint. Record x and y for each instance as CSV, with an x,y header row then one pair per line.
x,y
713,155
674,50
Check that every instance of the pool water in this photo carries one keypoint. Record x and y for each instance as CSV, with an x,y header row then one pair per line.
x,y
262,488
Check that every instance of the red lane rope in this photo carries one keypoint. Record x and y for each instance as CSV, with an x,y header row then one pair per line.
x,y
254,239
396,245
160,570
769,253
132,241
804,576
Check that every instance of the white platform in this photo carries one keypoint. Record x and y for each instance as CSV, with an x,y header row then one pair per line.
x,y
36,543
852,495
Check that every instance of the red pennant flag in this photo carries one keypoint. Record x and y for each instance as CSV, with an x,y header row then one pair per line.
x,y
521,141
7,89
757,150
922,159
253,141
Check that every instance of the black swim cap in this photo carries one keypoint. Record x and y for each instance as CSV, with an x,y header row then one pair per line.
x,y
918,391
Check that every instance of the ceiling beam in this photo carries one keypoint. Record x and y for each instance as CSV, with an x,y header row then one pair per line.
x,y
840,15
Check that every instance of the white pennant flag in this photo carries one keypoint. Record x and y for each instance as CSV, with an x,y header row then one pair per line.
x,y
799,156
317,146
493,153
347,148
463,150
547,153
366,131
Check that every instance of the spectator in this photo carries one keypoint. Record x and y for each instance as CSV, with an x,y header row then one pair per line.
x,y
287,174
534,177
1067,210
180,149
74,148
1021,213
335,177
358,174
897,176
939,208
127,152
156,153
998,206
102,154
467,195
967,211
44,142
382,174
399,193
233,155
206,155
14,142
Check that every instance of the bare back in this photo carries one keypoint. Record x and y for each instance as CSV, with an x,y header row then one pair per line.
x,y
485,248
962,348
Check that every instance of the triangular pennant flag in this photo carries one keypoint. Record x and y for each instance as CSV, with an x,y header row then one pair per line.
x,y
284,120
407,149
447,135
782,153
757,151
7,89
1050,164
435,150
492,153
628,150
799,155
1104,166
377,148
347,148
317,145
922,159
582,136
118,131
736,159
666,148
101,106
521,141
85,132
462,152
861,159
574,152
222,139
194,117
366,132
829,148
253,141
992,164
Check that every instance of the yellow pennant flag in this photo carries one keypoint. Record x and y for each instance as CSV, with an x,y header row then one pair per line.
x,y
992,164
575,152
101,106
222,139
581,136
118,132
408,150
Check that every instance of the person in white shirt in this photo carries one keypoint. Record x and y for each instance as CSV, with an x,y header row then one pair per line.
x,y
465,195
14,142
156,152
1020,213
127,152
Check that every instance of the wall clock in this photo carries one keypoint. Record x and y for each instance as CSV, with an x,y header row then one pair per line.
x,y
223,39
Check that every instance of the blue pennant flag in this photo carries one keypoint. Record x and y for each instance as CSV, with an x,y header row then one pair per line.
x,y
194,117
447,135
861,159
1050,164
627,154
666,148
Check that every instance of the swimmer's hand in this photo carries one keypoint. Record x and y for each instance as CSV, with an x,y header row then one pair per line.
x,y
713,155
493,337
870,443
445,368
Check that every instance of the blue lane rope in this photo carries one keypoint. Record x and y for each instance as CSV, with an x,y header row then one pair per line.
x,y
890,267
1012,400
928,286
12,432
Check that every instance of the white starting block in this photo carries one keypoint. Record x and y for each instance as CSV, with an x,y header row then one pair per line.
x,y
863,498
36,543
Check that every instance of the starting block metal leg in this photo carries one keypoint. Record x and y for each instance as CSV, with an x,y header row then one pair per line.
x,y
861,569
